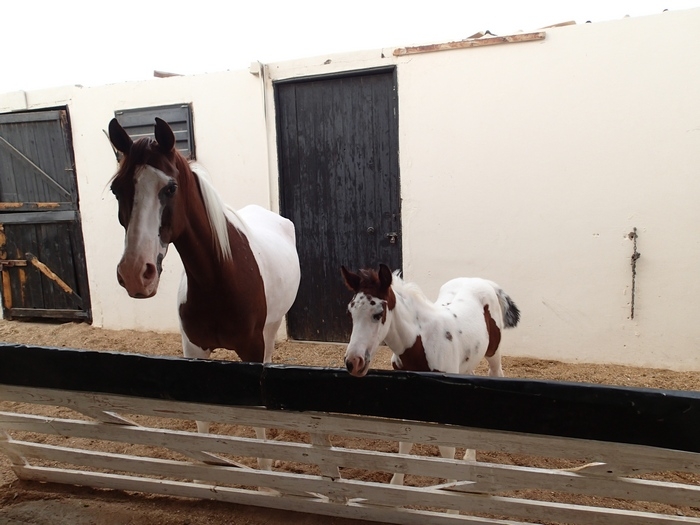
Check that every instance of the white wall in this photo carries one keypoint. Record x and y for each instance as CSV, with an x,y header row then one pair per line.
x,y
530,163
525,163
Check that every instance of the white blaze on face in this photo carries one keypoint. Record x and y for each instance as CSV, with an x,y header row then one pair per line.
x,y
139,269
370,325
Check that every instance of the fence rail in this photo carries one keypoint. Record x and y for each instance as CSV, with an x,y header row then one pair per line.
x,y
124,435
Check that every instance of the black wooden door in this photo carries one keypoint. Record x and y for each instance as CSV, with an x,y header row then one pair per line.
x,y
42,255
339,184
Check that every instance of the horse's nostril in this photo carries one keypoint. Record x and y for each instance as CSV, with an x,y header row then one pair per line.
x,y
348,365
149,273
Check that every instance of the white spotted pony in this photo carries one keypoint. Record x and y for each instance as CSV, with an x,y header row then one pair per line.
x,y
451,335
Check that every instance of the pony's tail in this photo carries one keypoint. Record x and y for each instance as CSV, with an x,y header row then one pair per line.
x,y
511,313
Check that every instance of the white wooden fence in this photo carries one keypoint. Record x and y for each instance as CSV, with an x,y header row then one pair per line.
x,y
606,475
68,447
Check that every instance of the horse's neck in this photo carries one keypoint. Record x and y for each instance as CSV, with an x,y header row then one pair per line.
x,y
200,255
405,323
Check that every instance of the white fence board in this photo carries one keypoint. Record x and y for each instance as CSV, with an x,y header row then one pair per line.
x,y
479,492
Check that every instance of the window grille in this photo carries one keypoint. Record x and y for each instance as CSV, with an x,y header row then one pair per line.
x,y
139,122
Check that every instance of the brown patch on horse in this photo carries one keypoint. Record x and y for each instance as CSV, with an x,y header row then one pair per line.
x,y
494,332
221,312
384,310
413,359
371,284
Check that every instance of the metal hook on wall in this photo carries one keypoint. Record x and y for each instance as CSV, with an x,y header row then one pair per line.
x,y
635,255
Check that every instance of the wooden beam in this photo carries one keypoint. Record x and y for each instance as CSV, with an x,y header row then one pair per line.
x,y
476,42
50,274
49,313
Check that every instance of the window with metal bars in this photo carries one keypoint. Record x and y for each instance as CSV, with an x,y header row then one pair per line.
x,y
139,122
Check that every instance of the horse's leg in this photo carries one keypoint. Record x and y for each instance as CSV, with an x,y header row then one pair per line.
x,y
494,361
263,463
191,350
469,455
449,453
404,448
269,335
495,370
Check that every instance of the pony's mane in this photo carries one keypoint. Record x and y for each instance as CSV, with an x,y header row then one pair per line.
x,y
369,282
408,290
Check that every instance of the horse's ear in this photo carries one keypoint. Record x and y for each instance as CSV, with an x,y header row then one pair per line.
x,y
164,136
352,280
385,276
118,137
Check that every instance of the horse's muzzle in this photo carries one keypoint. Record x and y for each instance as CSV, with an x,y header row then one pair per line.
x,y
357,366
140,284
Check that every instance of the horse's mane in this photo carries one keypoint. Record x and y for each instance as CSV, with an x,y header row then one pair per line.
x,y
369,281
217,211
408,290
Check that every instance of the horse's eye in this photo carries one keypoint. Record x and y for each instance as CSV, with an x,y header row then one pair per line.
x,y
170,190
377,317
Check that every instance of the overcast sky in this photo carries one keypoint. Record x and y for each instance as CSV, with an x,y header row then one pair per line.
x,y
64,42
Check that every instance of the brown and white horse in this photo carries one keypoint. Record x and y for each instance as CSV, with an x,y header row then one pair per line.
x,y
451,335
241,268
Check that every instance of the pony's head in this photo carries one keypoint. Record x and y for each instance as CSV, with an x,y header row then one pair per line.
x,y
149,189
371,310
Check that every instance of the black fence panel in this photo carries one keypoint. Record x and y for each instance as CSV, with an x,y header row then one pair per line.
x,y
643,416
179,379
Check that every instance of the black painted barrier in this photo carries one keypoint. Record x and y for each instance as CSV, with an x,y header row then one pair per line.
x,y
661,418
644,416
179,379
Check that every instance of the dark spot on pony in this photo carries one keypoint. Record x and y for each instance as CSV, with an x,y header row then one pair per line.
x,y
448,336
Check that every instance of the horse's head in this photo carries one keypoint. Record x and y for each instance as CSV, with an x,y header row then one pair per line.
x,y
147,188
371,310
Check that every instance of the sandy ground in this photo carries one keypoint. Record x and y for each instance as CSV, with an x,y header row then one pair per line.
x,y
35,503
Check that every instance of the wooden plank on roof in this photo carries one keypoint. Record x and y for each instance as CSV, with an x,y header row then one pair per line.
x,y
476,42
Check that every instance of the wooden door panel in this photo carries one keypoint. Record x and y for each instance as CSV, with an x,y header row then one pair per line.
x,y
339,184
40,279
44,274
37,165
